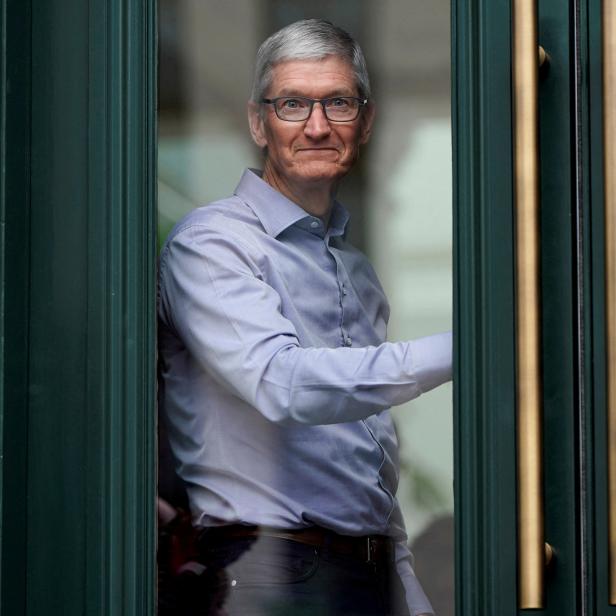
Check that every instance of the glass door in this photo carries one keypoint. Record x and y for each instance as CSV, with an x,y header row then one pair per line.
x,y
399,196
531,506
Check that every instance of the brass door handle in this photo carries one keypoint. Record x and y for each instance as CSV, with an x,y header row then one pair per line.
x,y
531,543
608,19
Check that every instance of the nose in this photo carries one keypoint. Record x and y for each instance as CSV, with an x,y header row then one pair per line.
x,y
317,126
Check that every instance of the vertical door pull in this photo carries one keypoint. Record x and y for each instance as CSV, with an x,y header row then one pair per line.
x,y
608,19
531,543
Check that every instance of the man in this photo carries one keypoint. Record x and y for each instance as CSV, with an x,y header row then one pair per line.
x,y
276,374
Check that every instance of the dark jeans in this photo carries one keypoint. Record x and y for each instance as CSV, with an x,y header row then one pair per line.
x,y
277,577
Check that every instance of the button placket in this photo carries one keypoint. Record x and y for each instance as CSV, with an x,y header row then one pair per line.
x,y
343,291
348,341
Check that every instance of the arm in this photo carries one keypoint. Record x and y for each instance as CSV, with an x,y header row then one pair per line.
x,y
214,296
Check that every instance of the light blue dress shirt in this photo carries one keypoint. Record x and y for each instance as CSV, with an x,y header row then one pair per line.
x,y
276,377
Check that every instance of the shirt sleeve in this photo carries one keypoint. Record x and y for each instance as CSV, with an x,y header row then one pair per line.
x,y
213,294
416,599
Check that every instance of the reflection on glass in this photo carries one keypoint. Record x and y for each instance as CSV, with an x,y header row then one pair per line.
x,y
399,194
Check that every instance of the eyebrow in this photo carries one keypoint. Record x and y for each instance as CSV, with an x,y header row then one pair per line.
x,y
333,94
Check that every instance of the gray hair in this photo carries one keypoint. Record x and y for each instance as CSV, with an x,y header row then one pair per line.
x,y
309,39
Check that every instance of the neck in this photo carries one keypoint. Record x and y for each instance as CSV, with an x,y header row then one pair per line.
x,y
316,198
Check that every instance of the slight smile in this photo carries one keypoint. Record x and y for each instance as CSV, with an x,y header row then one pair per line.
x,y
330,149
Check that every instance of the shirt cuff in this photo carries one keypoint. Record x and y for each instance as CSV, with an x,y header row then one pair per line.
x,y
416,599
431,358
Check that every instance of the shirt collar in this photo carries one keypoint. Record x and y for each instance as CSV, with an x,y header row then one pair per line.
x,y
278,213
338,220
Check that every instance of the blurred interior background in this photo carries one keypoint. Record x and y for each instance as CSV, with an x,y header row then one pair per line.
x,y
399,195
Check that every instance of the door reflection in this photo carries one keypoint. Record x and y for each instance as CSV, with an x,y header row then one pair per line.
x,y
400,194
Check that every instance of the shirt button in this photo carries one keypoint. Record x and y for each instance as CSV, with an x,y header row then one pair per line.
x,y
314,224
344,291
349,341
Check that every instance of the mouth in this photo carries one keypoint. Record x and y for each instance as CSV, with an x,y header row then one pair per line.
x,y
318,149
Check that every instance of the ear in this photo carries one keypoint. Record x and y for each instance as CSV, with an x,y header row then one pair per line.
x,y
256,124
367,119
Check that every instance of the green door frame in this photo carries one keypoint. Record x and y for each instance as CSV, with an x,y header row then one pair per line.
x,y
77,314
575,437
595,390
484,296
483,308
77,317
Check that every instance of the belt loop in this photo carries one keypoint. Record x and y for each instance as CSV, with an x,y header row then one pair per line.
x,y
369,549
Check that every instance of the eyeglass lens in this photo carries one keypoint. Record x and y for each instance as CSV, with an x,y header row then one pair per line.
x,y
341,109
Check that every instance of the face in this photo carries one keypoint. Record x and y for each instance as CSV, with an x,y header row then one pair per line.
x,y
315,150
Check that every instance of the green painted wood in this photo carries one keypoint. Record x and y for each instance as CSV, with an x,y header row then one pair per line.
x,y
485,426
588,133
596,382
88,359
484,423
559,331
14,264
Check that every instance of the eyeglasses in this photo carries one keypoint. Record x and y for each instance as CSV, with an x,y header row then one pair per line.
x,y
299,108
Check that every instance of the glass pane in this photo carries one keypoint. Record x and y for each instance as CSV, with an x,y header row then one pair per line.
x,y
398,195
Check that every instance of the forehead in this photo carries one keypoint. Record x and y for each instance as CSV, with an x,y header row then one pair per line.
x,y
316,78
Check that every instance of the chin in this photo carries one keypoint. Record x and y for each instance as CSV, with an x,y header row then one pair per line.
x,y
320,171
